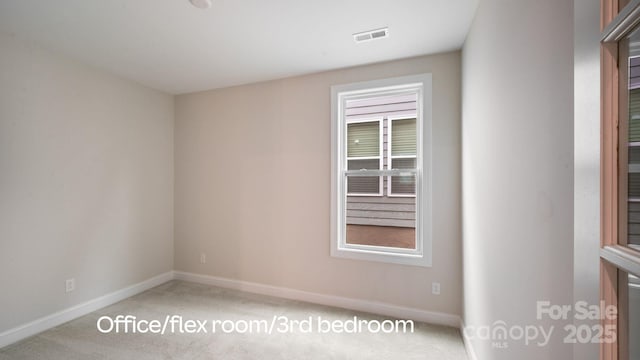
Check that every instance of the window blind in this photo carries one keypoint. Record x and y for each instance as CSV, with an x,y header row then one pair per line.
x,y
403,137
363,139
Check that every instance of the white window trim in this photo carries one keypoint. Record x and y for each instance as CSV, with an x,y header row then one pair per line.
x,y
390,157
422,255
379,119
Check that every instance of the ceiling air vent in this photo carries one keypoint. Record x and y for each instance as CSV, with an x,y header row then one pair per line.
x,y
201,4
371,35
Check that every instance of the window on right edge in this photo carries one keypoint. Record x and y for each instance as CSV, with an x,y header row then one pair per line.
x,y
620,179
381,136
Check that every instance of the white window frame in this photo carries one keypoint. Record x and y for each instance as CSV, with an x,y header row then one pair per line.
x,y
390,157
422,254
380,157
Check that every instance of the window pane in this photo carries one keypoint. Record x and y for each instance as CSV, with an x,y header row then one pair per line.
x,y
363,139
403,135
387,236
634,185
634,223
634,103
633,212
633,207
363,184
358,164
407,163
634,155
405,185
633,143
381,221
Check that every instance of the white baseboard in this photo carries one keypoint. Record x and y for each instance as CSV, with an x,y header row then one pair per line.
x,y
21,332
34,327
467,343
322,299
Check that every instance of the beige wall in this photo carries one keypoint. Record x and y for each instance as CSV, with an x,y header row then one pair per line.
x,y
586,170
517,137
252,189
86,182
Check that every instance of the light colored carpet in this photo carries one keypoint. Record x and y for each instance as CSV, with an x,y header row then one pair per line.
x,y
80,338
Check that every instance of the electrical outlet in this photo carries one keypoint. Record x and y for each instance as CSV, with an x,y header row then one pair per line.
x,y
70,285
203,258
435,288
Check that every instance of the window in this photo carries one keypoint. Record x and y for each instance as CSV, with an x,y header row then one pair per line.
x,y
364,152
620,185
381,170
403,153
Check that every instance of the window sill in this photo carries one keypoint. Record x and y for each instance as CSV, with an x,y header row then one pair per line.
x,y
623,257
381,254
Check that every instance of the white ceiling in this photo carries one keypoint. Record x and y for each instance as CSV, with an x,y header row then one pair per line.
x,y
172,46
